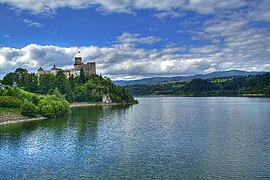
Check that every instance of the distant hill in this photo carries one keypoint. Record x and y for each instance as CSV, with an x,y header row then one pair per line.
x,y
155,80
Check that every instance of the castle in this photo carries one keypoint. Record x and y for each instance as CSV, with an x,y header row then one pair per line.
x,y
89,68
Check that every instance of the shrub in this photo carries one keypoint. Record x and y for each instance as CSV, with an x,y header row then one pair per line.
x,y
61,108
115,98
47,111
35,100
52,107
94,97
10,102
29,109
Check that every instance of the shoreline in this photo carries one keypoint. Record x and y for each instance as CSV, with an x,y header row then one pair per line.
x,y
254,95
232,95
12,118
83,104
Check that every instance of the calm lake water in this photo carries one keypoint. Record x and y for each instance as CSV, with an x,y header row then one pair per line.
x,y
160,138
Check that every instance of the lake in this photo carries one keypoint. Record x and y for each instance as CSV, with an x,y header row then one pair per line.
x,y
160,138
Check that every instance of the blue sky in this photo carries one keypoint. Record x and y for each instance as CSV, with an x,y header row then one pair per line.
x,y
136,38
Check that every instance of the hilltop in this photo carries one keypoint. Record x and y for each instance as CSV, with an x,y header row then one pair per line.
x,y
156,80
251,85
49,95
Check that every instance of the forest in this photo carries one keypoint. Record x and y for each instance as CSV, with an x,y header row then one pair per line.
x,y
227,86
82,88
49,95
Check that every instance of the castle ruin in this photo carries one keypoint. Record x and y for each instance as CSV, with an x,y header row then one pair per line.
x,y
89,68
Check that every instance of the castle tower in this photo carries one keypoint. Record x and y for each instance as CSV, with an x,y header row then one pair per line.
x,y
78,61
90,68
40,71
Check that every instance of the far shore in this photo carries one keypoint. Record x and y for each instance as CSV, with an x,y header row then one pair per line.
x,y
228,95
254,95
81,104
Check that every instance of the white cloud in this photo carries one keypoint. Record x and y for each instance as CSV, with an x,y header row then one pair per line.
x,y
260,11
214,6
171,14
31,23
236,44
127,6
128,38
122,61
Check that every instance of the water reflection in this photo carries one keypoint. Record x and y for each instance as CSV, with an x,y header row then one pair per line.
x,y
160,138
82,120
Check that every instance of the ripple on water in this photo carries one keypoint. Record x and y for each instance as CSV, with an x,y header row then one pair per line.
x,y
160,138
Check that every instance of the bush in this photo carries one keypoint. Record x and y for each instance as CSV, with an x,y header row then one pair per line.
x,y
115,98
94,97
52,107
29,109
61,108
47,111
10,102
35,100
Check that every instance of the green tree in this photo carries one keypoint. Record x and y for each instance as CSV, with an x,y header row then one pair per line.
x,y
29,109
47,83
82,76
10,79
72,82
22,77
69,93
61,83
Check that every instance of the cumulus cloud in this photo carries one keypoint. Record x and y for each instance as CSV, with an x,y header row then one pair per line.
x,y
230,40
235,44
32,56
214,6
123,61
134,39
201,6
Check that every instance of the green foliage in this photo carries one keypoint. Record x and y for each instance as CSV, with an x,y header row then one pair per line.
x,y
51,106
84,88
22,79
82,76
47,111
47,83
80,94
9,79
69,93
29,109
61,82
61,108
258,84
11,110
156,89
10,102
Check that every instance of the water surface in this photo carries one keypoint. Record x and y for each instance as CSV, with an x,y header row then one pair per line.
x,y
160,138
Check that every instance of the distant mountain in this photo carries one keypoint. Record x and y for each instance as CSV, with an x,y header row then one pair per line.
x,y
155,80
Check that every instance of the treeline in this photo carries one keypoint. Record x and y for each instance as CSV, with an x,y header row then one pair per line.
x,y
32,105
239,85
75,89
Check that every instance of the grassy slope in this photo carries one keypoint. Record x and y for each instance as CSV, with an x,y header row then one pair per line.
x,y
11,110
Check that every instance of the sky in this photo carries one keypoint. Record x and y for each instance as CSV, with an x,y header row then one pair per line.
x,y
133,39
